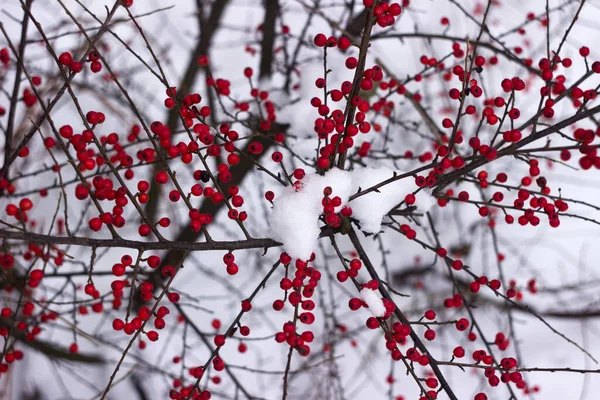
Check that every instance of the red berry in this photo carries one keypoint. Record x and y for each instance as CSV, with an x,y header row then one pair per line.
x,y
65,58
320,40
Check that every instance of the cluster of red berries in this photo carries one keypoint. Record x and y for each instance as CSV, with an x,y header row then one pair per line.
x,y
446,163
20,211
89,158
298,292
103,190
385,13
10,357
332,218
229,260
330,121
320,40
501,341
29,98
354,267
589,154
190,391
76,67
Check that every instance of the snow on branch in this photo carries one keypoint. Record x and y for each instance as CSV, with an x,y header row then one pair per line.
x,y
294,220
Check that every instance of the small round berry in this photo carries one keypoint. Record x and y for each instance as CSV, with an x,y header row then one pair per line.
x,y
65,58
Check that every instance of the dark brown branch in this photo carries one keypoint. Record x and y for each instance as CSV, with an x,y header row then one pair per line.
x,y
59,94
211,348
447,179
176,246
238,173
51,350
268,39
358,75
401,317
486,45
207,31
231,330
15,93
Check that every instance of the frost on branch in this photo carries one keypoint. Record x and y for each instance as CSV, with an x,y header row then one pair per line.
x,y
294,220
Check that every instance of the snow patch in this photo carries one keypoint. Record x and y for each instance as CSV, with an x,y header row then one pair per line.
x,y
374,301
295,217
370,208
294,220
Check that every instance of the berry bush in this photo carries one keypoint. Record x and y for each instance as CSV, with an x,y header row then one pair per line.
x,y
297,199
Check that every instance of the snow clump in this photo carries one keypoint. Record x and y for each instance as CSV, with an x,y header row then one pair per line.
x,y
294,220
